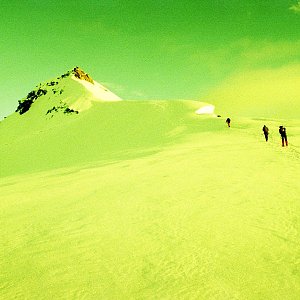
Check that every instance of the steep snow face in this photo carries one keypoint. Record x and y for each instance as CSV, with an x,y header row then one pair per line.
x,y
96,89
72,92
99,92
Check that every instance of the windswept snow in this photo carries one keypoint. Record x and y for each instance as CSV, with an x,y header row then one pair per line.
x,y
214,215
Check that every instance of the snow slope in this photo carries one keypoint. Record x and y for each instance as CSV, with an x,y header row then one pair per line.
x,y
35,142
148,200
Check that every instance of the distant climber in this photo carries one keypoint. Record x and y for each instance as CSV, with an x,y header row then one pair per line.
x,y
265,129
228,121
282,132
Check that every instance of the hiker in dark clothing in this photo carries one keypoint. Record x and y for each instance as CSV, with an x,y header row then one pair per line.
x,y
282,132
265,129
228,122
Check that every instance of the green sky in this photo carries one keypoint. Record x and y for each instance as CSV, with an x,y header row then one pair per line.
x,y
146,49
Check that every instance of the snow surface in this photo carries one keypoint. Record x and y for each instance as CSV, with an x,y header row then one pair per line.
x,y
147,200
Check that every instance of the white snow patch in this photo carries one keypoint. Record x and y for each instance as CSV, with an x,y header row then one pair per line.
x,y
206,110
99,92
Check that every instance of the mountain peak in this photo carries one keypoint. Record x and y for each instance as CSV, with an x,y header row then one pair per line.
x,y
73,91
80,74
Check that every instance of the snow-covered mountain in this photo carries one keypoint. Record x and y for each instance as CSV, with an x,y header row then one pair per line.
x,y
72,119
72,92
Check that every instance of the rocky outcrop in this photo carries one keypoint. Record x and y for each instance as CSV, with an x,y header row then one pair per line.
x,y
80,74
63,107
25,104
